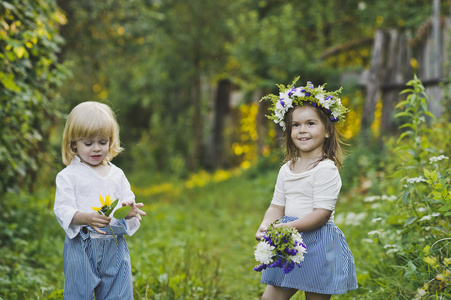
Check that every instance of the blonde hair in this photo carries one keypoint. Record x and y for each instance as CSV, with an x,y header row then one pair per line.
x,y
86,121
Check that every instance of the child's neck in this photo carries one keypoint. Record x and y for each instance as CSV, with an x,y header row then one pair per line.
x,y
303,164
102,169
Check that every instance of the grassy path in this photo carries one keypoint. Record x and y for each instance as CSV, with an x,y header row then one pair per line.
x,y
198,242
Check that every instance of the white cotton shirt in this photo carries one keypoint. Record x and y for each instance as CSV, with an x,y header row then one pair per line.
x,y
78,188
300,193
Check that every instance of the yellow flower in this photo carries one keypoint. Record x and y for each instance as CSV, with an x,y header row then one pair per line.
x,y
106,202
440,277
432,261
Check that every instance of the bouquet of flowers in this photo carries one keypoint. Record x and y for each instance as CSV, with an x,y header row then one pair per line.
x,y
281,247
107,208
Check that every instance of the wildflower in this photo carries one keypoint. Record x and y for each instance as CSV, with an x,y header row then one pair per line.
x,y
263,253
428,217
440,277
374,232
416,180
437,158
432,261
421,292
281,247
105,204
107,208
372,198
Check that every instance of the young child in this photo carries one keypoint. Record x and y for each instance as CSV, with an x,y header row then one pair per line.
x,y
305,194
93,261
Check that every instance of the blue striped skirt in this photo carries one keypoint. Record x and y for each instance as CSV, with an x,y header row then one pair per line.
x,y
328,266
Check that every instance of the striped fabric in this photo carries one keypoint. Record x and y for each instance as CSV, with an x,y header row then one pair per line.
x,y
97,266
328,267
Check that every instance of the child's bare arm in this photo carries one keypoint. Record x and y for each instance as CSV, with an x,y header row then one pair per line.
x,y
273,213
317,218
93,219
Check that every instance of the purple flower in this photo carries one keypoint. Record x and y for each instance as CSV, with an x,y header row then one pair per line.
x,y
328,98
307,94
260,267
277,263
288,267
282,102
291,91
291,251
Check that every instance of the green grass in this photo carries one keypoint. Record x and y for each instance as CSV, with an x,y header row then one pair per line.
x,y
194,243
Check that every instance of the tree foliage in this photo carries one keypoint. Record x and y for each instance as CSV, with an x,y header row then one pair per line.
x,y
30,76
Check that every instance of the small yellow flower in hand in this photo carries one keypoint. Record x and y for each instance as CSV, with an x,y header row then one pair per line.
x,y
105,204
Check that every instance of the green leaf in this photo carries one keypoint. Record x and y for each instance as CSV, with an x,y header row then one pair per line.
x,y
401,114
122,212
404,196
112,206
410,221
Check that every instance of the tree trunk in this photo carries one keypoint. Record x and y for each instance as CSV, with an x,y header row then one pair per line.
x,y
373,83
221,112
197,124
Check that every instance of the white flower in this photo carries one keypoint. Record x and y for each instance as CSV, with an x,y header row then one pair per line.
x,y
371,198
279,113
336,112
263,252
389,198
374,232
392,250
300,255
416,180
426,218
437,158
279,106
298,238
282,124
421,292
320,97
376,220
298,93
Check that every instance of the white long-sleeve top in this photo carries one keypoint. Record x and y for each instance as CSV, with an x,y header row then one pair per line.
x,y
78,188
300,193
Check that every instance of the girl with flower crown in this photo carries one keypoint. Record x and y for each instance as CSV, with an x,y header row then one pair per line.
x,y
305,194
94,260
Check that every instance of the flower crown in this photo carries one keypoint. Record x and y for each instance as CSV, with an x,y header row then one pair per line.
x,y
291,96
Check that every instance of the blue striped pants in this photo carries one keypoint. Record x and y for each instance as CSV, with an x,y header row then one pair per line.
x,y
97,266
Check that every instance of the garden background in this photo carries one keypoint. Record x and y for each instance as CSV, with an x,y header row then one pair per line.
x,y
185,79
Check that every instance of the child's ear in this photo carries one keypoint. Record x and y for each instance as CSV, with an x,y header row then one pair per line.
x,y
73,146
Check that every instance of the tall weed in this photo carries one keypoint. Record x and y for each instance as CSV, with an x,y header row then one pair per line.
x,y
407,242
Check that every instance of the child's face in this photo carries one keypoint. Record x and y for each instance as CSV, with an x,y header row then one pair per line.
x,y
308,132
93,151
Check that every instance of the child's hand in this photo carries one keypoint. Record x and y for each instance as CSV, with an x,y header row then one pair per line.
x,y
96,220
260,232
135,211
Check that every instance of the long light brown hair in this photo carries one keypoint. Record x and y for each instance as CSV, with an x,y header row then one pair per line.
x,y
332,145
